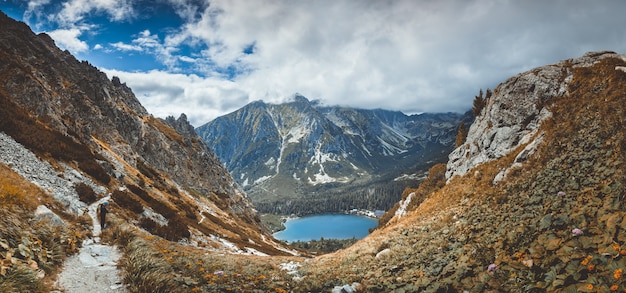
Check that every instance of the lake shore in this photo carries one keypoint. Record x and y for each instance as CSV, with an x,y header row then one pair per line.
x,y
326,226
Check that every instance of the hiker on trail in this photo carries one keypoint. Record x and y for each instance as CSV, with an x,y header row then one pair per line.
x,y
103,214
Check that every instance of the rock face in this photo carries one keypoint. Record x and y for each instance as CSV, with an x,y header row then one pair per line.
x,y
295,148
512,115
74,125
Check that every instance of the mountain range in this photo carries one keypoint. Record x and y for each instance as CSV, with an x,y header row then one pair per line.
x,y
282,154
90,135
531,200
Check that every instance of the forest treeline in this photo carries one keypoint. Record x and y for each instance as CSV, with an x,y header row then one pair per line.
x,y
380,196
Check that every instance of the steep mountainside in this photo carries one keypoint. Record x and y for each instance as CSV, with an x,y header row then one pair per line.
x,y
538,210
80,136
292,150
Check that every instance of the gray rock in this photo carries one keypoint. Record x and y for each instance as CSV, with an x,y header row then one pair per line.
x,y
512,115
43,213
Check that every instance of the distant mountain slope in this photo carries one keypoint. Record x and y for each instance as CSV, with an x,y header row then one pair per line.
x,y
291,150
87,135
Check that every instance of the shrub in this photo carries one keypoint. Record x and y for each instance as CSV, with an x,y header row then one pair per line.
x,y
461,135
175,230
155,204
85,193
479,104
20,279
127,200
147,272
91,167
147,170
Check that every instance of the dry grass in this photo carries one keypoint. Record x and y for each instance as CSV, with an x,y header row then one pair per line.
x,y
152,264
30,249
167,130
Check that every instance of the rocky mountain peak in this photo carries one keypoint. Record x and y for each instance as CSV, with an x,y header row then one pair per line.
x,y
512,116
181,125
289,150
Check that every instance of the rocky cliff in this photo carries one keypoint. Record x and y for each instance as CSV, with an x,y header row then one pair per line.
x,y
512,116
78,127
289,151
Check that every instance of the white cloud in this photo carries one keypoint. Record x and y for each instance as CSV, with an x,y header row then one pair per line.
x,y
126,47
408,55
170,94
34,7
74,11
68,39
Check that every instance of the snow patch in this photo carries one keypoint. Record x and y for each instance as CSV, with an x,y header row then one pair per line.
x,y
253,251
270,162
389,149
260,180
403,205
295,134
156,217
405,177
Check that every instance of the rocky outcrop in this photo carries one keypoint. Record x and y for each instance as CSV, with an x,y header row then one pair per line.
x,y
513,114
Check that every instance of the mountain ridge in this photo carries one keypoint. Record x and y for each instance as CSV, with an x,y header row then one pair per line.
x,y
77,120
286,151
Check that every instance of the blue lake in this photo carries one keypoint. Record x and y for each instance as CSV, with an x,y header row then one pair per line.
x,y
330,226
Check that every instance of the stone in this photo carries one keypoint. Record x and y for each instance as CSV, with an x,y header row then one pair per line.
x,y
43,213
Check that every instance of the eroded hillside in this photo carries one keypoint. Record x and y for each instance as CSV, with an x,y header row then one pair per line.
x,y
79,136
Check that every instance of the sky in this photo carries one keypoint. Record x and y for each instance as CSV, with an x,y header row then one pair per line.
x,y
208,58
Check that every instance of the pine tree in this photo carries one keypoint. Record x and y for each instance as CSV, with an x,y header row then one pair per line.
x,y
461,135
479,103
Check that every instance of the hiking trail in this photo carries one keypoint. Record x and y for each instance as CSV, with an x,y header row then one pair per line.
x,y
94,267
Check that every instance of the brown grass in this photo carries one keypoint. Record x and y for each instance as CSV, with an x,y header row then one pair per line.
x,y
167,130
29,247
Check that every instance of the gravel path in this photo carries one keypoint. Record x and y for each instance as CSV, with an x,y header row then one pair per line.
x,y
94,268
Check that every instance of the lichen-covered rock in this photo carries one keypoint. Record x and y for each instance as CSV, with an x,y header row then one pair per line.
x,y
513,114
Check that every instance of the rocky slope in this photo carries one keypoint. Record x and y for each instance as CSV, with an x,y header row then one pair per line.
x,y
80,136
286,152
540,210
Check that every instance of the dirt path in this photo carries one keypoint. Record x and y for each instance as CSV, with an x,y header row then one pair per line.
x,y
94,268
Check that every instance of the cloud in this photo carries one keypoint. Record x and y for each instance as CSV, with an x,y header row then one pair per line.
x,y
72,19
170,94
407,55
126,47
74,11
68,39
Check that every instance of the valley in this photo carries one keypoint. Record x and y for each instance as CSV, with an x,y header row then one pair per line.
x,y
530,200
